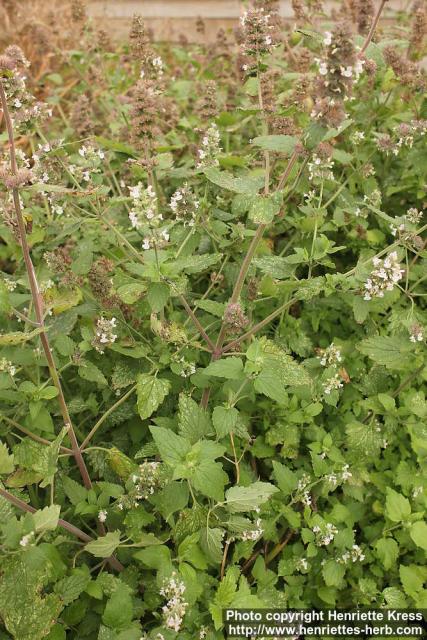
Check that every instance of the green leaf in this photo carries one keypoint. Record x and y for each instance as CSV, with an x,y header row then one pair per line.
x,y
47,519
209,478
418,533
265,208
279,143
388,551
90,372
74,491
225,420
70,587
193,264
118,612
151,392
397,507
248,184
6,459
172,448
286,479
391,351
249,498
157,296
274,266
410,577
395,598
104,546
27,613
231,368
193,421
333,573
18,337
214,308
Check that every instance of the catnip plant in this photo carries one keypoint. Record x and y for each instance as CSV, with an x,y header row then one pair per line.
x,y
213,358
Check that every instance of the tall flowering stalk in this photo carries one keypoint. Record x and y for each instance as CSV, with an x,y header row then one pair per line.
x,y
8,67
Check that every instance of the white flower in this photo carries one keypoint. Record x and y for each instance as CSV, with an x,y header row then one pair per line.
x,y
413,215
102,515
253,534
210,149
7,367
384,277
323,68
345,473
25,540
174,610
327,40
332,384
330,356
347,72
104,334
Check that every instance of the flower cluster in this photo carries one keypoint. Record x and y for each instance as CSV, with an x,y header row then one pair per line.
x,y
417,333
174,610
148,479
384,277
253,534
88,165
104,334
354,555
256,38
144,215
330,356
184,205
144,206
331,384
325,534
210,148
338,69
320,168
7,367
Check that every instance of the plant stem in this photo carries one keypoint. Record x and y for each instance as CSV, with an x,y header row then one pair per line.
x,y
75,531
105,416
37,298
32,435
372,29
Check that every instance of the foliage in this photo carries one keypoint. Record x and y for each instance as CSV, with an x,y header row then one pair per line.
x,y
217,396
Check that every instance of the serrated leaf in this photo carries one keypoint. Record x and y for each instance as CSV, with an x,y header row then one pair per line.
x,y
47,519
210,479
411,579
248,184
418,533
264,208
231,368
193,421
333,573
90,372
397,507
104,546
194,264
286,479
26,612
225,420
172,447
70,587
214,308
157,296
390,351
274,266
18,337
249,498
151,392
118,612
6,459
279,143
388,551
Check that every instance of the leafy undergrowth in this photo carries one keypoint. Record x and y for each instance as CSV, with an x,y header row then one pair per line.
x,y
213,355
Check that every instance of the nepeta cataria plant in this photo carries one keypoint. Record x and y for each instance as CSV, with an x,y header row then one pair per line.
x,y
214,258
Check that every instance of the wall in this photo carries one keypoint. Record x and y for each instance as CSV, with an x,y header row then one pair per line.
x,y
170,18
